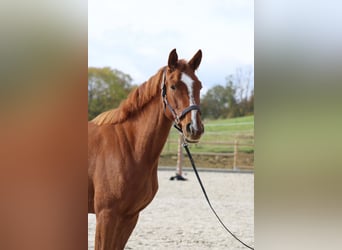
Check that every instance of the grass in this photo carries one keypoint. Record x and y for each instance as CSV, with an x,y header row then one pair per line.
x,y
219,137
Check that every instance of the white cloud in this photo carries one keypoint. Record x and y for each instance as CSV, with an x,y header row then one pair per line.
x,y
136,36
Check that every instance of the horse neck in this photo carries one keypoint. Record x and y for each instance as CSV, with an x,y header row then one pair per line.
x,y
150,130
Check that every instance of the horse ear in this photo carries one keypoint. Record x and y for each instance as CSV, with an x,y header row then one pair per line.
x,y
196,60
173,60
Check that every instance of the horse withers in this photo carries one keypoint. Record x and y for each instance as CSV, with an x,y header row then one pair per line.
x,y
124,146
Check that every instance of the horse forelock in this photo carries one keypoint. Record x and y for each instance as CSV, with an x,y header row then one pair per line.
x,y
135,101
184,67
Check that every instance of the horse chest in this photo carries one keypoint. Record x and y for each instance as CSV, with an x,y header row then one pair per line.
x,y
143,196
137,191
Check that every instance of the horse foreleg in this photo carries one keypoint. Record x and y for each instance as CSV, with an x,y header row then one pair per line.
x,y
113,230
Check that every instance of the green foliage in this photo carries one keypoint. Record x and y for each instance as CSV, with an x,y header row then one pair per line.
x,y
215,102
231,100
221,102
106,89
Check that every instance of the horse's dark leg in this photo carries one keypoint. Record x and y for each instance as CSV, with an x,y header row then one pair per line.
x,y
112,230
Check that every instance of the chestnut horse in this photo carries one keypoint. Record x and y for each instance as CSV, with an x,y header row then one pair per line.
x,y
124,145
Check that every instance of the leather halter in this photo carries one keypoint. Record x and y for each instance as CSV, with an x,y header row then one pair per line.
x,y
177,117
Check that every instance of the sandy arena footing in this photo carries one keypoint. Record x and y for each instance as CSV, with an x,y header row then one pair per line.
x,y
180,218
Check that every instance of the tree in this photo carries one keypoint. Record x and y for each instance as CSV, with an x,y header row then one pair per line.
x,y
106,89
233,105
219,102
250,104
234,99
243,80
214,102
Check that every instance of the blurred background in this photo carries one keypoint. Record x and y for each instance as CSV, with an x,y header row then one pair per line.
x,y
128,47
44,111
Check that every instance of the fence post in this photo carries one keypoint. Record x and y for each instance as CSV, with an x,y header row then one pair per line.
x,y
168,144
235,153
179,156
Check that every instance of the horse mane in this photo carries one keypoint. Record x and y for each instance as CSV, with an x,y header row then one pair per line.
x,y
135,101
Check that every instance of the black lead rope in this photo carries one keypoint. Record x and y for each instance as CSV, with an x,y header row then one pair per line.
x,y
185,145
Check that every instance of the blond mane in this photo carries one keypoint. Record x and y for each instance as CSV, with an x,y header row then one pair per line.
x,y
135,101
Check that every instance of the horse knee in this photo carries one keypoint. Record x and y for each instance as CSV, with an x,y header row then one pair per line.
x,y
113,230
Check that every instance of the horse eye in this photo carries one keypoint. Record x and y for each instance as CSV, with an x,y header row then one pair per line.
x,y
173,87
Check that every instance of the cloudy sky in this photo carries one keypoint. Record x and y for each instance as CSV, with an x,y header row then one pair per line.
x,y
136,36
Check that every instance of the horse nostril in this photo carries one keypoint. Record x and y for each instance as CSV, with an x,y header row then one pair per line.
x,y
189,128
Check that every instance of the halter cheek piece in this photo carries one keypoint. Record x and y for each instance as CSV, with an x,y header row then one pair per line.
x,y
177,117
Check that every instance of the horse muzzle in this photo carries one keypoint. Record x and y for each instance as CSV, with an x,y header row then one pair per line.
x,y
193,132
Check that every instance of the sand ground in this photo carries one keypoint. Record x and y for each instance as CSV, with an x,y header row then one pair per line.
x,y
180,218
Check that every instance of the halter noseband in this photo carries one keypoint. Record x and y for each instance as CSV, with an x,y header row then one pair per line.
x,y
177,117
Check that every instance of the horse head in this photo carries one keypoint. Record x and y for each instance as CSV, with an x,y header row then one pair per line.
x,y
181,95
